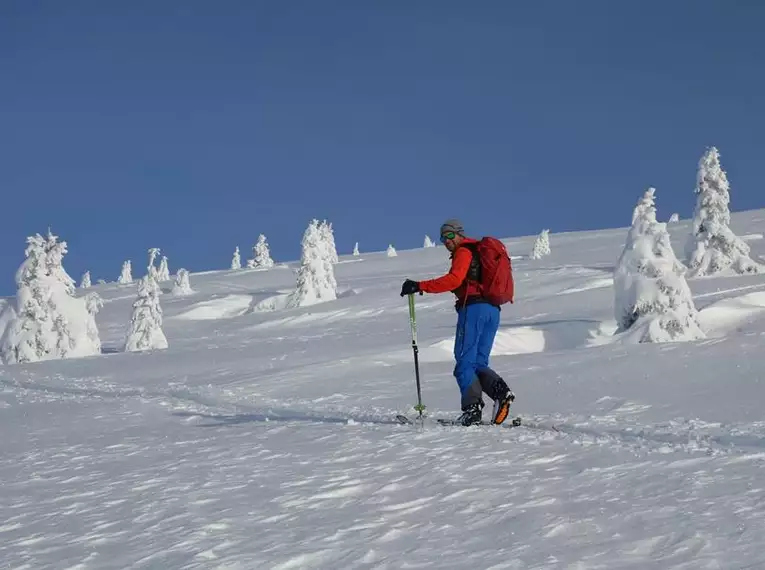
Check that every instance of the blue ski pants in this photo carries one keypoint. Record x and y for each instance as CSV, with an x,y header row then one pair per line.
x,y
477,326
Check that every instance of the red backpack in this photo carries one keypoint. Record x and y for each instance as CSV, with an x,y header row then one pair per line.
x,y
496,282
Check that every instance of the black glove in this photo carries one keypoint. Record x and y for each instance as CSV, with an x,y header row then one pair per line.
x,y
410,288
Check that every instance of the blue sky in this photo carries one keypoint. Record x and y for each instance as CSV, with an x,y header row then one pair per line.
x,y
194,126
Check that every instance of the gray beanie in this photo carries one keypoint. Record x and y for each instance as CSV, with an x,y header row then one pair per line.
x,y
452,225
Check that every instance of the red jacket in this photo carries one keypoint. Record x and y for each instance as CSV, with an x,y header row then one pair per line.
x,y
456,280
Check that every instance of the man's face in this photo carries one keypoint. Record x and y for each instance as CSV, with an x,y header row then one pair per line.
x,y
451,240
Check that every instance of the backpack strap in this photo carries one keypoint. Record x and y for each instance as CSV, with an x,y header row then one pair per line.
x,y
474,272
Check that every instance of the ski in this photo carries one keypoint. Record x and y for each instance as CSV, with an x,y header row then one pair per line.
x,y
515,422
404,420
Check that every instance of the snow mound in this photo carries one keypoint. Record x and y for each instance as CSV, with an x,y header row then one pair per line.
x,y
518,340
728,314
273,303
542,336
223,308
546,336
281,301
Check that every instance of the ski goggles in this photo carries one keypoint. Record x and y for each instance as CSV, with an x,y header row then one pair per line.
x,y
447,235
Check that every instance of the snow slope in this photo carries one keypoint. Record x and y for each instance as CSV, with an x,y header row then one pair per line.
x,y
262,438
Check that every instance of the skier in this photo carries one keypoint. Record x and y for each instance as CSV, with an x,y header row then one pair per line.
x,y
477,323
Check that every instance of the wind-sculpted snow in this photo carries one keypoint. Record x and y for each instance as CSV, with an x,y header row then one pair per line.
x,y
264,436
225,307
177,496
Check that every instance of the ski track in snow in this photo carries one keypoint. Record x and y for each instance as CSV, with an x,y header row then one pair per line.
x,y
615,428
265,438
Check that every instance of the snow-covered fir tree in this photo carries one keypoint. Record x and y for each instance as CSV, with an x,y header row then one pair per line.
x,y
145,329
85,281
328,238
674,218
712,247
315,278
428,242
28,336
645,205
163,273
93,304
182,285
391,251
151,269
356,250
47,321
652,301
236,261
127,273
55,252
262,254
541,245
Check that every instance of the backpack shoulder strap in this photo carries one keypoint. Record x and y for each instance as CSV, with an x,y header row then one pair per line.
x,y
474,272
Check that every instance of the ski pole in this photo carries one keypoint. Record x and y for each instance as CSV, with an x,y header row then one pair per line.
x,y
413,322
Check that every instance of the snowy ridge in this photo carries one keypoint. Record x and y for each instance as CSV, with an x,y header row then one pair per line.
x,y
263,436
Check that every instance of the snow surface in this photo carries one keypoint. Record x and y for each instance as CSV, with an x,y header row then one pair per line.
x,y
263,438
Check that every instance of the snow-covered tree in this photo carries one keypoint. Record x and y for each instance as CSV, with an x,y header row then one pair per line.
x,y
236,261
391,251
85,281
56,251
127,273
145,330
262,254
541,245
674,218
151,269
7,315
328,238
645,205
356,250
182,286
163,273
428,242
652,301
315,278
28,335
712,247
93,304
47,320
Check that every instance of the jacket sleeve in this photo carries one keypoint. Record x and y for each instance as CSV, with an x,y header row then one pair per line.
x,y
455,277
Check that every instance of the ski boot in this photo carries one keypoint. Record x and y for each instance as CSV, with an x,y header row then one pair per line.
x,y
471,415
502,407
